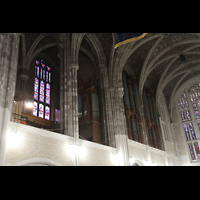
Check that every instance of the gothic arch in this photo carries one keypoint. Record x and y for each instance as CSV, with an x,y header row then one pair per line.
x,y
180,90
32,53
37,161
137,163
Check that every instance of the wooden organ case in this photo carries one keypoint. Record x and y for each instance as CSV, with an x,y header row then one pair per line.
x,y
89,111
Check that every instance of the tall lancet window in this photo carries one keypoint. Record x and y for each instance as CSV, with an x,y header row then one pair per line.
x,y
42,90
189,108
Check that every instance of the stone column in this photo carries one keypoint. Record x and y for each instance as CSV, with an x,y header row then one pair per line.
x,y
157,123
120,129
9,49
152,120
110,110
127,105
60,55
139,116
147,120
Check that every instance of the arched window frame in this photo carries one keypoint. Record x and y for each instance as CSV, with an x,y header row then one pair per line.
x,y
191,131
42,89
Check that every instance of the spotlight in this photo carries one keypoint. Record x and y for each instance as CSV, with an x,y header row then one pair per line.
x,y
29,105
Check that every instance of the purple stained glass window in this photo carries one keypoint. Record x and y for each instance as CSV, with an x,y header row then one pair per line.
x,y
47,112
38,71
188,115
198,124
41,91
192,130
36,89
182,116
49,77
186,132
41,73
35,108
192,151
48,93
41,110
196,146
49,68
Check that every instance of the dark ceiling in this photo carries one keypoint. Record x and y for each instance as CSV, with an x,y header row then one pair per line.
x,y
158,51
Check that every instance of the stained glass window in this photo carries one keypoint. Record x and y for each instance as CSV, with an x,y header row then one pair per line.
x,y
48,93
198,124
36,89
183,116
41,73
49,77
192,130
42,90
191,151
48,68
191,126
35,108
47,112
38,71
186,131
188,115
196,146
41,110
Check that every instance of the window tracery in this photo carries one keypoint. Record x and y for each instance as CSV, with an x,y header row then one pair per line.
x,y
189,108
42,90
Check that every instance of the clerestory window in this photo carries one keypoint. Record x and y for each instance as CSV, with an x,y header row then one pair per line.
x,y
42,90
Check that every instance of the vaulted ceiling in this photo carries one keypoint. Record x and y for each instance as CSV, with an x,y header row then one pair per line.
x,y
155,60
